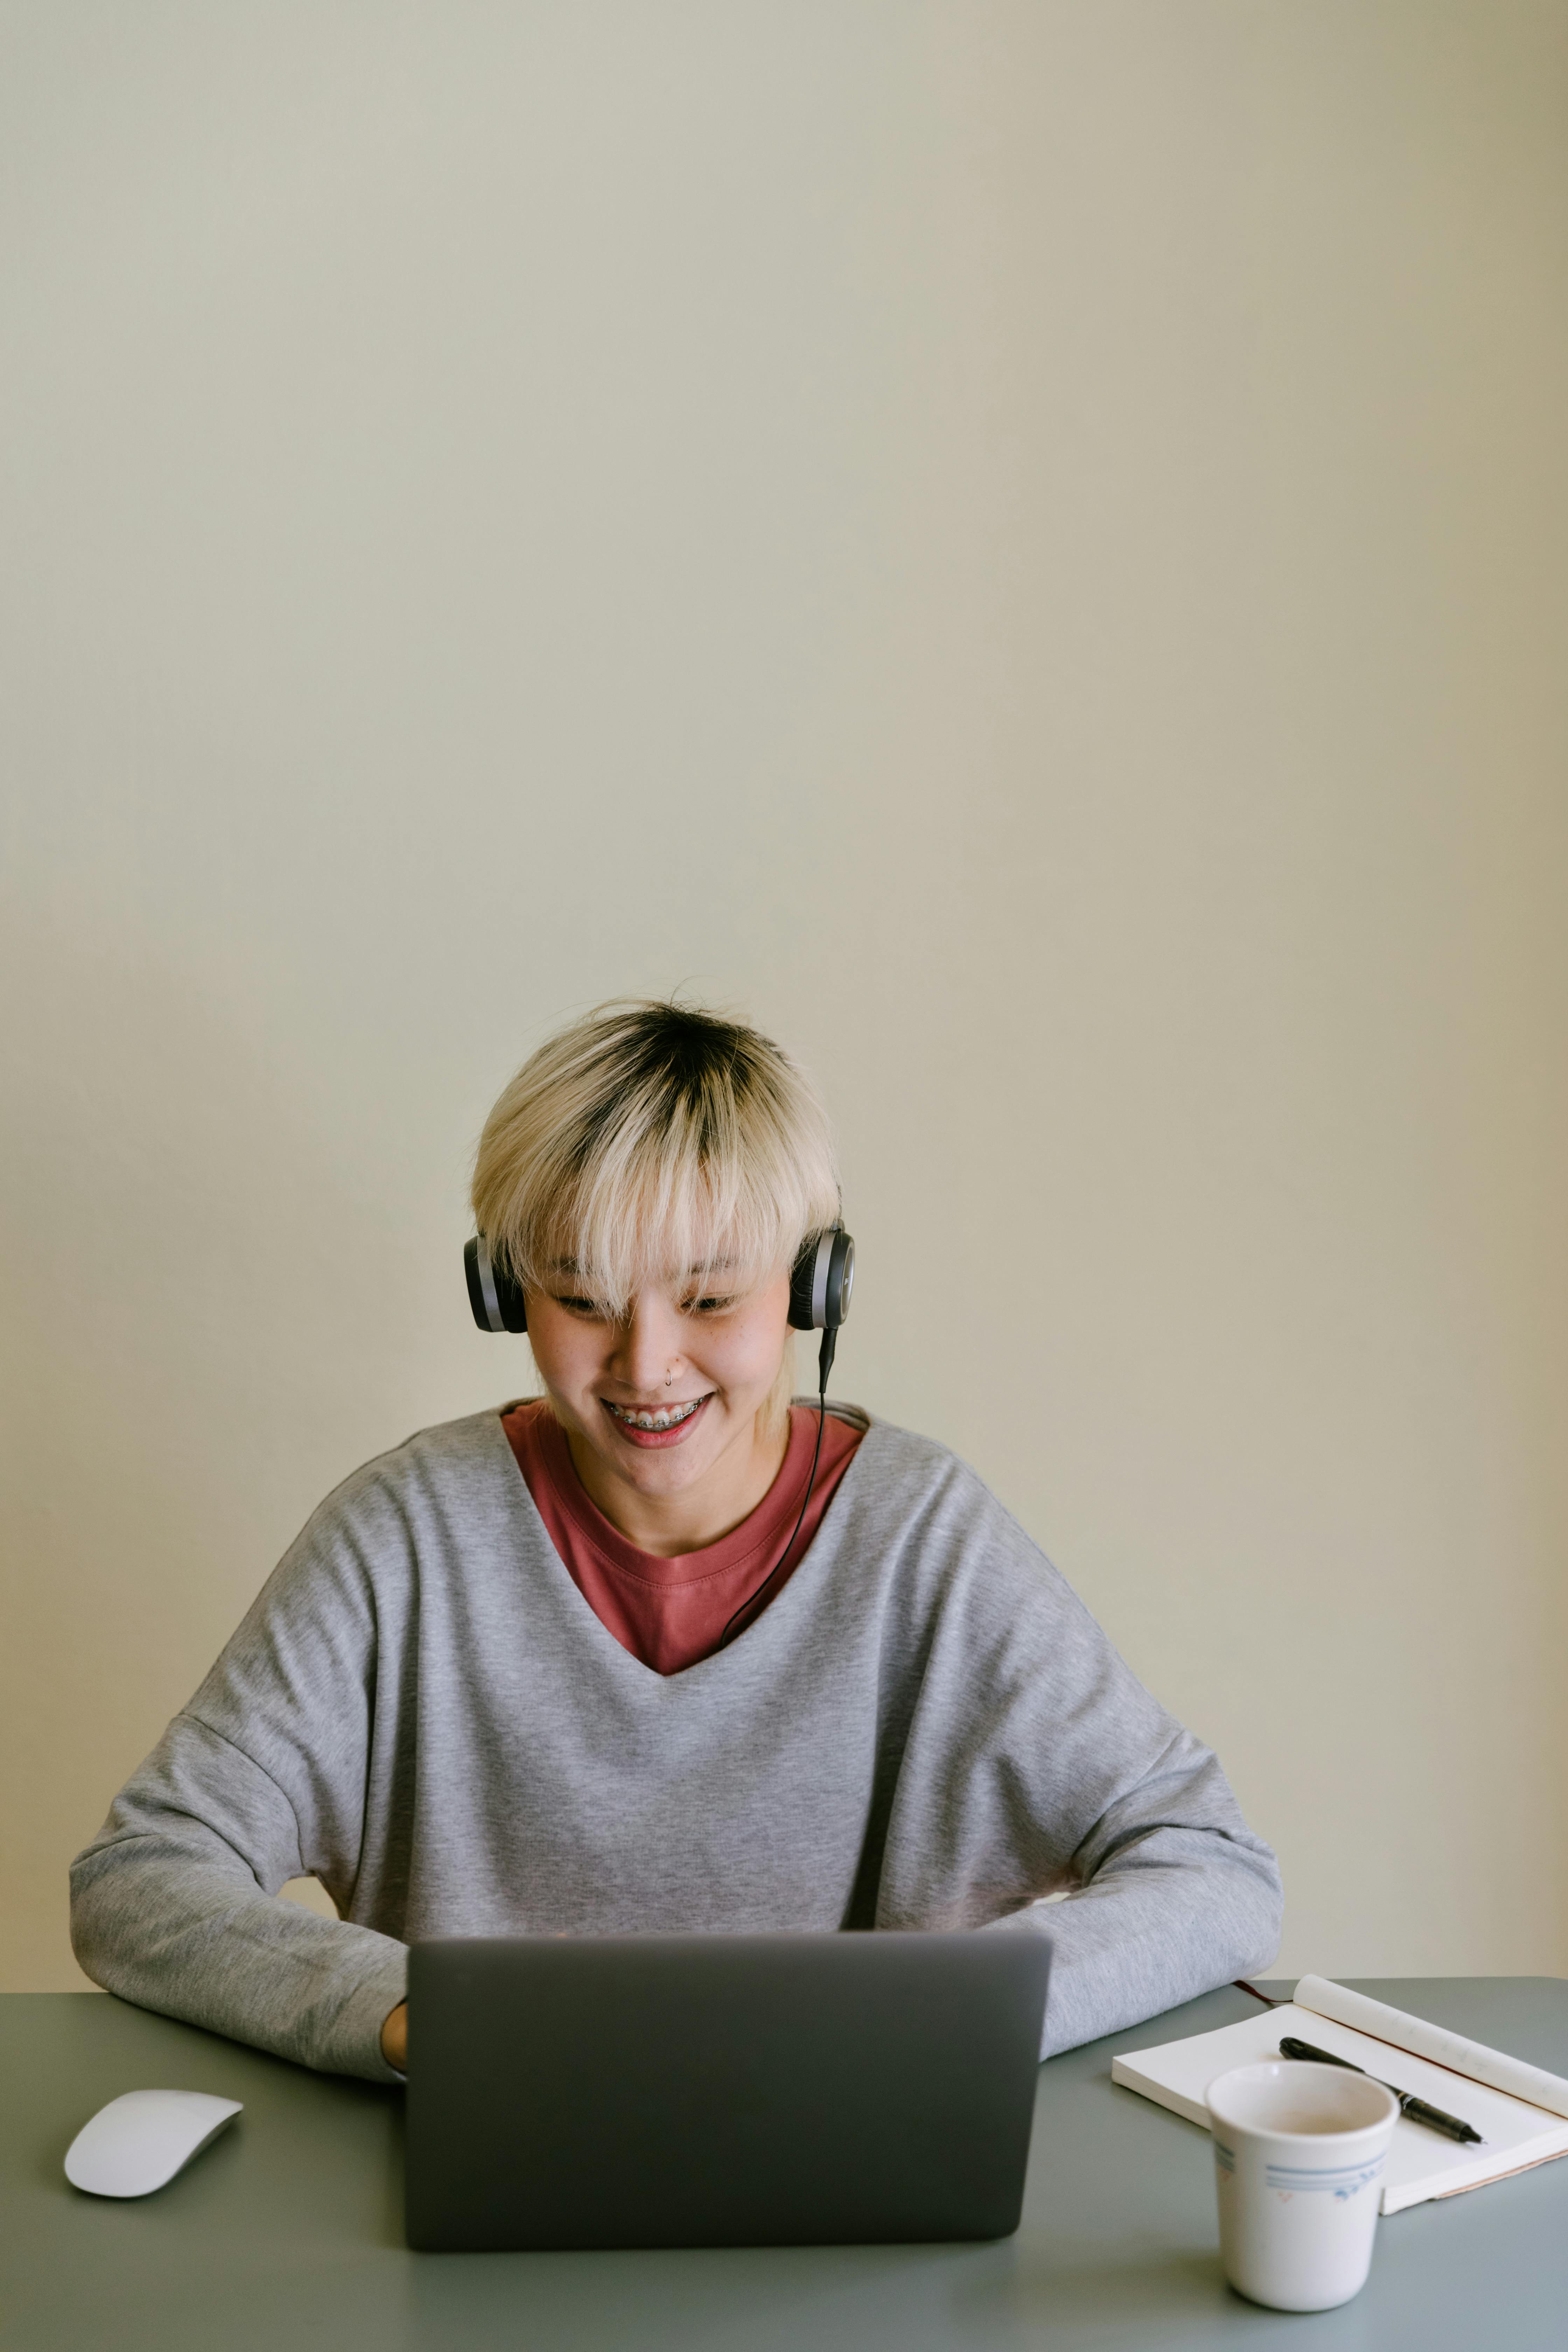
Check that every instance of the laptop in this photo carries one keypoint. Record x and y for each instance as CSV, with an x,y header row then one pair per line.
x,y
670,2090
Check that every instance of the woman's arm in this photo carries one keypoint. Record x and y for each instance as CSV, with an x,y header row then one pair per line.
x,y
1037,1765
174,1906
1172,1894
262,1778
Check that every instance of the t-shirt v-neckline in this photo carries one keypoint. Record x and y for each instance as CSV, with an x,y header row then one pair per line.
x,y
668,1614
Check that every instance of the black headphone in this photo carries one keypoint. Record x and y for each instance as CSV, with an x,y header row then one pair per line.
x,y
820,1284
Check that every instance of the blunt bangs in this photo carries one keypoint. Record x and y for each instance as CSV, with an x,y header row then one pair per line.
x,y
649,1143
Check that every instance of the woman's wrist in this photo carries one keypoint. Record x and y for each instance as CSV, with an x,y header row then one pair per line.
x,y
394,2038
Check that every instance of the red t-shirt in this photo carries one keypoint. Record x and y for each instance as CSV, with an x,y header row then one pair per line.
x,y
671,1612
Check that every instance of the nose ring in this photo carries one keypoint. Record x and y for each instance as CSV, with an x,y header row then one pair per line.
x,y
670,1378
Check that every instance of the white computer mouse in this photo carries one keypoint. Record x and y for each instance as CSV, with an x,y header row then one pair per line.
x,y
139,2141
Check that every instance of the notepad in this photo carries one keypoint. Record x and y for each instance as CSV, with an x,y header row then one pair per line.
x,y
1521,2111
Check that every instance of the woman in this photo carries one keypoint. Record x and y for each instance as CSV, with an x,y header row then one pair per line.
x,y
659,1650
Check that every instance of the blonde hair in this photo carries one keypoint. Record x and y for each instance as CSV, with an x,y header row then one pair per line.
x,y
651,1139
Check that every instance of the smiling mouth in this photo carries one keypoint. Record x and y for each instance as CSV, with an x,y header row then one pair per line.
x,y
664,1416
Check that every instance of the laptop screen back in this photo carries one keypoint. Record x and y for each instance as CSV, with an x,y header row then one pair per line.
x,y
719,2090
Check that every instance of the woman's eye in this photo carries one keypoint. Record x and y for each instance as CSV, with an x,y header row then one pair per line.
x,y
579,1306
708,1305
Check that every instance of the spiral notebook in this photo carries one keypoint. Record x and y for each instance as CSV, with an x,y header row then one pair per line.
x,y
1521,2111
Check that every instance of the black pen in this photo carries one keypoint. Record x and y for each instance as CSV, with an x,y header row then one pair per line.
x,y
1415,2109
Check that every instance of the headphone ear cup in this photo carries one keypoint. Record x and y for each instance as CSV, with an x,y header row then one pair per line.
x,y
497,1300
821,1281
840,1281
800,1285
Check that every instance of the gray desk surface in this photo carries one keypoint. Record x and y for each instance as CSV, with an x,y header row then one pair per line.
x,y
289,2230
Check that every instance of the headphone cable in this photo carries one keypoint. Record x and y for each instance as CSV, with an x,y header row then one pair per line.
x,y
825,1365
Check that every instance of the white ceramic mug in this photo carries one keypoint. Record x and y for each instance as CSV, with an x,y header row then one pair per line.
x,y
1298,2153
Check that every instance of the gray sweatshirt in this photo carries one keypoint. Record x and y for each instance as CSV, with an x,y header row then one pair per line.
x,y
926,1730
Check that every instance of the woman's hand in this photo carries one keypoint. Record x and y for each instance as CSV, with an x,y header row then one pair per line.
x,y
394,2038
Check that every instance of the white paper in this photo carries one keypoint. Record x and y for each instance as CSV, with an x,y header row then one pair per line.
x,y
1473,2059
1421,2163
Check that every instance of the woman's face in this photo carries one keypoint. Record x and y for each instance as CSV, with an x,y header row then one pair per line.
x,y
666,1397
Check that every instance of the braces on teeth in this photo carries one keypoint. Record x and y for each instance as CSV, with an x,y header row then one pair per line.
x,y
664,1418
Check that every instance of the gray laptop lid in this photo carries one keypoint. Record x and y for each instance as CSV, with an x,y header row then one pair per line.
x,y
719,2090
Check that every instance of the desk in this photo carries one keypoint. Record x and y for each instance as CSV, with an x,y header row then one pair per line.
x,y
288,2231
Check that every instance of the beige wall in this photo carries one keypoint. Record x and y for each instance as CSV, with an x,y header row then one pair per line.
x,y
1024,545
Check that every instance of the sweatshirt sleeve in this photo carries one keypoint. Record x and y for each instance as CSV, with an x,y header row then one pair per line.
x,y
1173,1895
261,1779
1044,1791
